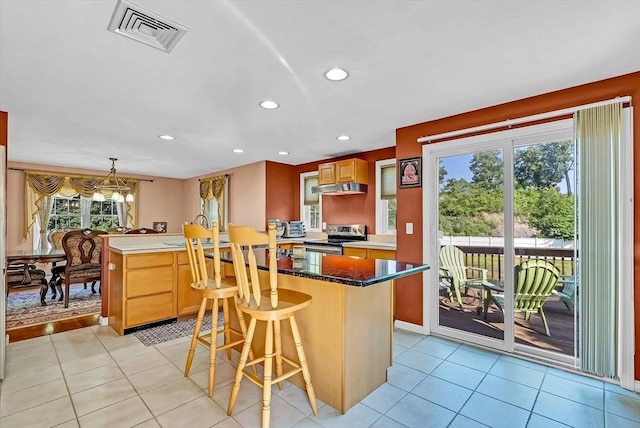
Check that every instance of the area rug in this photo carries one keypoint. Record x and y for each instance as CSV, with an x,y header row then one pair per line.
x,y
24,309
163,333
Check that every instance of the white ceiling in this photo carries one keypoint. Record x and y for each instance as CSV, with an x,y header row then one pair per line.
x,y
78,94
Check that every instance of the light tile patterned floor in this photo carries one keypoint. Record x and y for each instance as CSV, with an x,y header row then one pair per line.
x,y
94,378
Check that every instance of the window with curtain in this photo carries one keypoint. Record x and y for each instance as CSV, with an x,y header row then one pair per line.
x,y
75,212
386,199
310,203
213,192
70,197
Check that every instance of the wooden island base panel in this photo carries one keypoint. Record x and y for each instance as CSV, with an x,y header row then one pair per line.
x,y
347,330
346,335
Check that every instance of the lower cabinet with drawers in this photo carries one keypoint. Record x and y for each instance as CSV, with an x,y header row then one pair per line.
x,y
149,287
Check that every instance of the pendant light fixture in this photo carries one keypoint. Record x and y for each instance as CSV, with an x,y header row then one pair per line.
x,y
114,186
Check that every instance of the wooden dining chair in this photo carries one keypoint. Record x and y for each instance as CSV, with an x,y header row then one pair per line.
x,y
214,289
55,239
269,306
83,249
57,270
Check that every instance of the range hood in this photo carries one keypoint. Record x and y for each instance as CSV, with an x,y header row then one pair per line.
x,y
350,188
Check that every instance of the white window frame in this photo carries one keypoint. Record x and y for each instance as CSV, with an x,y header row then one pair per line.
x,y
302,217
85,218
381,210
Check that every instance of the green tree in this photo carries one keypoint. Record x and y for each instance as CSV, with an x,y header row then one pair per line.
x,y
442,172
463,207
487,169
544,165
548,211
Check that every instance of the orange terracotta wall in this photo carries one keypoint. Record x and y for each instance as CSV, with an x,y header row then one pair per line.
x,y
161,200
410,200
348,208
246,197
279,192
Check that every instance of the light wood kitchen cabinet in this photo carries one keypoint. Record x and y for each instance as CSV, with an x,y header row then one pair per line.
x,y
142,289
355,252
369,253
326,173
188,299
344,171
373,253
352,170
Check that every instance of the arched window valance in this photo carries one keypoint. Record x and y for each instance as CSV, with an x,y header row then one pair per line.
x,y
41,186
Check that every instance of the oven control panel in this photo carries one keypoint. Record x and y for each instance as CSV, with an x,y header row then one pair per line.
x,y
347,230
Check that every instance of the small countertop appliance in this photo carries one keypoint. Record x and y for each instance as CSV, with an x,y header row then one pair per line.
x,y
293,229
279,226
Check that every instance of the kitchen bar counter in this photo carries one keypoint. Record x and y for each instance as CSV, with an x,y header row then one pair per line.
x,y
335,268
347,330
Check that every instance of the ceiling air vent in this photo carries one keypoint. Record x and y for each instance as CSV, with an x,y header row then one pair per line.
x,y
145,26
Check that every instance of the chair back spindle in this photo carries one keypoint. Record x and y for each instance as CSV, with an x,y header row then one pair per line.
x,y
194,236
246,238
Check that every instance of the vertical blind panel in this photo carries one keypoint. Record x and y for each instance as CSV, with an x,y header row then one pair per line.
x,y
388,181
598,140
310,198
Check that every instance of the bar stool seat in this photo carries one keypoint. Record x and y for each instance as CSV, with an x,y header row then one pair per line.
x,y
213,291
271,306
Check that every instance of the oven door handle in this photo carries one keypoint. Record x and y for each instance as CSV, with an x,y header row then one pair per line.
x,y
324,249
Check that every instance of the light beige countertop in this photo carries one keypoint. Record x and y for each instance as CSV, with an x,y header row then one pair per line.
x,y
159,243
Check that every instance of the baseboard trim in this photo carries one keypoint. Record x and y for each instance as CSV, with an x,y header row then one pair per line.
x,y
414,328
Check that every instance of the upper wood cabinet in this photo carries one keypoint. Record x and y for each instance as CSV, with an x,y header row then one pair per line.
x,y
327,173
344,171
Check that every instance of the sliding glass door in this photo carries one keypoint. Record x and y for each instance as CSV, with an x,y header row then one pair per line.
x,y
501,213
470,218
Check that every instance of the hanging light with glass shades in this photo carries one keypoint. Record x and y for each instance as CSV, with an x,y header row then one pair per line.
x,y
114,185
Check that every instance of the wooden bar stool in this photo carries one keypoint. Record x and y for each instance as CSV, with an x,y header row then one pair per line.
x,y
212,289
271,306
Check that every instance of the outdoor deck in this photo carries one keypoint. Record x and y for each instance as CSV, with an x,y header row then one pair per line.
x,y
531,333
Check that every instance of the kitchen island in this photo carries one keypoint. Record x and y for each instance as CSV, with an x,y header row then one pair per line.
x,y
347,331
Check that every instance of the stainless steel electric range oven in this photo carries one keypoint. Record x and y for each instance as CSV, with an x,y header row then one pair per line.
x,y
337,234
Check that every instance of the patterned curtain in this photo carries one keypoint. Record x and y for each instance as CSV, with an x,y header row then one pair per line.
x,y
41,186
213,188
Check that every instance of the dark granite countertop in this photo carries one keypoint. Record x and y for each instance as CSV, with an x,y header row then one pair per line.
x,y
334,268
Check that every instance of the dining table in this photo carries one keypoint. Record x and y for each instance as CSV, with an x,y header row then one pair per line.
x,y
26,258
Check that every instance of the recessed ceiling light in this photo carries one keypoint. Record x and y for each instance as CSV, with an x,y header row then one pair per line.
x,y
343,137
269,105
283,153
336,74
238,151
167,137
